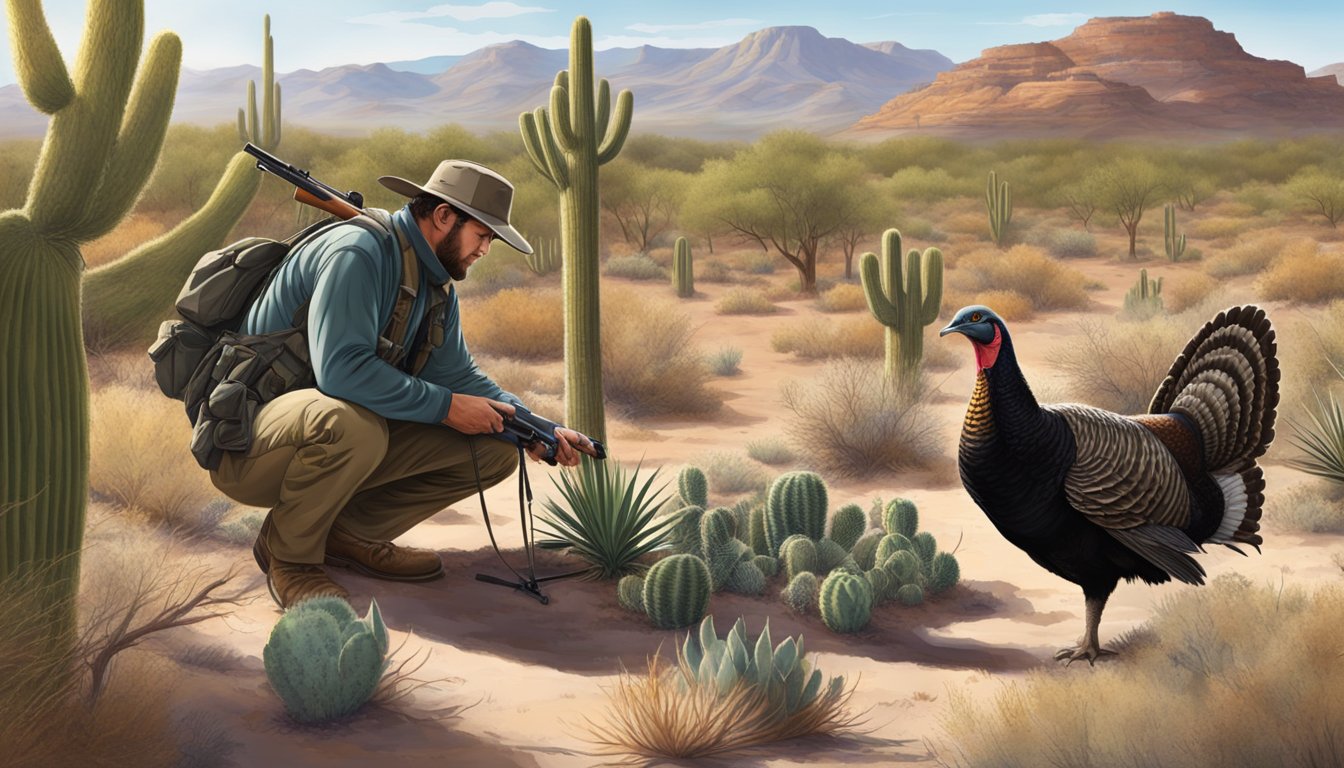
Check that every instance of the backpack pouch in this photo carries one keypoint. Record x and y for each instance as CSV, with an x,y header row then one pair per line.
x,y
177,353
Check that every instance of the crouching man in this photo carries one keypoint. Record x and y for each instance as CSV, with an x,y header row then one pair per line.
x,y
385,439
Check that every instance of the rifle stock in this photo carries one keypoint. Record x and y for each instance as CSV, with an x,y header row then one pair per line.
x,y
335,206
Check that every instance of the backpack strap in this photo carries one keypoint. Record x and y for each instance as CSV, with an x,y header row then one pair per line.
x,y
390,344
431,332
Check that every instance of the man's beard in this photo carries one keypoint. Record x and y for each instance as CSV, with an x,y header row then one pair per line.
x,y
450,256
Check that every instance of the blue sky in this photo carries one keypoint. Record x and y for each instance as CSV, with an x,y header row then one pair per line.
x,y
320,34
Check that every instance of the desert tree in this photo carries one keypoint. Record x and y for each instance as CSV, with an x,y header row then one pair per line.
x,y
1320,192
643,201
788,192
860,221
1128,186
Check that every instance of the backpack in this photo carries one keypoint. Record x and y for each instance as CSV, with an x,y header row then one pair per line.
x,y
223,376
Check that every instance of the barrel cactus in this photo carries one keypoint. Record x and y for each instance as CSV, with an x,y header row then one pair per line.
x,y
630,593
745,579
925,546
864,550
847,525
797,503
768,565
910,594
943,573
676,591
801,593
905,567
890,545
901,516
799,555
881,582
829,555
693,487
845,602
324,661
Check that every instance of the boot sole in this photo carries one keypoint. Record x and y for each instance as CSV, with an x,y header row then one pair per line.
x,y
358,567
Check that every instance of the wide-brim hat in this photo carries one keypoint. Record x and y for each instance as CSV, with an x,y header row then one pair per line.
x,y
480,192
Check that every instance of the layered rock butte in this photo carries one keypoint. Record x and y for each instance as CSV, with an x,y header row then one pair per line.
x,y
1163,74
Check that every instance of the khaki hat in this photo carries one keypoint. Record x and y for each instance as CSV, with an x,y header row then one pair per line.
x,y
477,190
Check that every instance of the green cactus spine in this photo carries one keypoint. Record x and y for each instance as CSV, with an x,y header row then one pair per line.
x,y
943,573
847,525
798,555
999,201
845,602
322,661
901,516
903,302
1145,297
125,300
796,504
693,487
801,592
676,591
85,181
567,144
1175,244
630,593
864,550
683,274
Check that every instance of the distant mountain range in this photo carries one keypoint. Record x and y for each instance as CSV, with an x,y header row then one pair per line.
x,y
775,78
1335,70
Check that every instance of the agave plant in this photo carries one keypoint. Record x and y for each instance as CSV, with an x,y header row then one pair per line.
x,y
1322,441
607,518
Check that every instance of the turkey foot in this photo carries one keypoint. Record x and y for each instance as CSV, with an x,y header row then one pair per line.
x,y
1084,650
1089,647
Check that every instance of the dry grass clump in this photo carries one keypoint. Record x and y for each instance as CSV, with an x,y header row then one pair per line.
x,y
731,473
744,301
492,275
843,297
1119,367
1187,290
525,323
1306,350
853,422
636,267
1303,274
816,338
1010,305
133,232
1023,269
1232,674
649,365
771,451
655,716
519,376
1248,256
1218,227
967,223
1316,507
139,459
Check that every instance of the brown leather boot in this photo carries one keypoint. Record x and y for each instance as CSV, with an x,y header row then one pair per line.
x,y
291,582
381,559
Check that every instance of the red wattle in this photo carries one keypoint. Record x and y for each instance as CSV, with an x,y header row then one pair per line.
x,y
986,354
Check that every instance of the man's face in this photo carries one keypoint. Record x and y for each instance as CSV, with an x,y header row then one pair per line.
x,y
458,252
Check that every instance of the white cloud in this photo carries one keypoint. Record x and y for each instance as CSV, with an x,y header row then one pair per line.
x,y
653,29
1055,19
491,10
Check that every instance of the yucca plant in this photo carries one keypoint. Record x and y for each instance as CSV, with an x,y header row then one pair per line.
x,y
607,518
1322,440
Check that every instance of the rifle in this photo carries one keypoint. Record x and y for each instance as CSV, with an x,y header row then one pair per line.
x,y
345,205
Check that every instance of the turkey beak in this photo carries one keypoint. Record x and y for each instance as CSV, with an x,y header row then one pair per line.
x,y
951,328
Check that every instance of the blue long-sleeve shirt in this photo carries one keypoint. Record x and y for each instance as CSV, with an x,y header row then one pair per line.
x,y
350,280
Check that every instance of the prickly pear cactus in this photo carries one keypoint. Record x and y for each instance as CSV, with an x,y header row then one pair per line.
x,y
801,592
901,516
676,591
323,661
797,503
847,525
845,602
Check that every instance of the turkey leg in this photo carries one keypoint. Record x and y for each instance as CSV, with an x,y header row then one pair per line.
x,y
1089,647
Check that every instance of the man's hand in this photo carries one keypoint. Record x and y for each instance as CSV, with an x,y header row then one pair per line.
x,y
569,444
475,415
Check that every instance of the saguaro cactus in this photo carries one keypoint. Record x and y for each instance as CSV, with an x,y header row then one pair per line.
x,y
125,300
107,126
1175,244
904,303
683,270
1144,299
999,200
567,144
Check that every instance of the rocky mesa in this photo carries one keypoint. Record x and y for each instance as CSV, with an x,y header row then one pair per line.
x,y
1125,76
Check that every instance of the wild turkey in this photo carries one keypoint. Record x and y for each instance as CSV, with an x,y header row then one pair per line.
x,y
1094,496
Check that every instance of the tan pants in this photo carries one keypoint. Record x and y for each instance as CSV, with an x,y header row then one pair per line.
x,y
317,461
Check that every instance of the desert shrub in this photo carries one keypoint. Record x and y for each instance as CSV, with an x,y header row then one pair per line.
x,y
928,185
714,272
744,301
1261,197
493,273
1026,270
131,233
1301,274
758,263
853,422
771,451
967,223
242,530
1187,290
1119,367
844,297
516,322
1316,507
1232,209
1010,305
649,364
636,267
726,362
731,473
1218,227
1070,244
819,338
520,376
139,459
1248,256
1208,662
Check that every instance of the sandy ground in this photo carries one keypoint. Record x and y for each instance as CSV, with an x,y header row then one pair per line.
x,y
516,680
